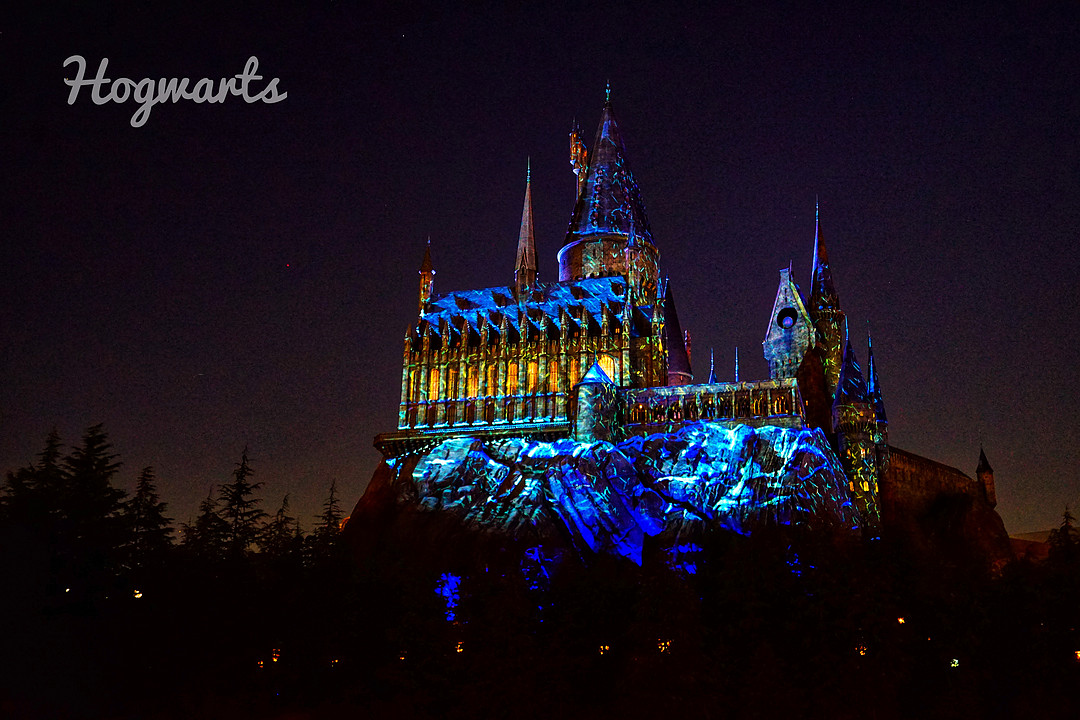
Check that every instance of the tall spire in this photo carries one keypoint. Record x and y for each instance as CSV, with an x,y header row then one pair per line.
x,y
712,368
525,264
873,388
822,291
736,364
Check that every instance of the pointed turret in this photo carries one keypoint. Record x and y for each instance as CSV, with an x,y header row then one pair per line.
x,y
609,231
873,395
525,264
712,368
678,364
851,389
873,387
427,278
825,311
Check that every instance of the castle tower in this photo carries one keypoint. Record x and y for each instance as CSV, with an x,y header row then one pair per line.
x,y
427,279
596,405
985,475
609,231
873,394
525,264
855,425
826,314
790,333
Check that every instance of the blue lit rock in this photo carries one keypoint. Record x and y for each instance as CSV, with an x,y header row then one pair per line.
x,y
609,497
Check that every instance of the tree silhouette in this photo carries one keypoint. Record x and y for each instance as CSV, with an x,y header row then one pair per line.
x,y
324,539
205,538
240,509
149,530
281,538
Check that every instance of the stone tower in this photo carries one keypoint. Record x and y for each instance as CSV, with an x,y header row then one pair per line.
x,y
791,331
856,425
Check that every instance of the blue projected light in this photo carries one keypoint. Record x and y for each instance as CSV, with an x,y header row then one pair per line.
x,y
449,588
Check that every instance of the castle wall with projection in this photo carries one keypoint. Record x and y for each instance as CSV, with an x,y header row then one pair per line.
x,y
573,403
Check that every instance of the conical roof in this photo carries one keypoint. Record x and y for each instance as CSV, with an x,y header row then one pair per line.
x,y
850,388
873,388
984,465
822,291
609,201
678,358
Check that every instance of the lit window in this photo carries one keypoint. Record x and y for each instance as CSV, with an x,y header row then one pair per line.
x,y
473,382
553,376
460,647
433,385
900,620
607,364
533,375
512,379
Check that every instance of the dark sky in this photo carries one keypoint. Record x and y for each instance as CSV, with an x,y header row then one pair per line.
x,y
243,274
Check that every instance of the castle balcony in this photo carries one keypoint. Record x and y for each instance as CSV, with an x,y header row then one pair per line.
x,y
462,414
661,409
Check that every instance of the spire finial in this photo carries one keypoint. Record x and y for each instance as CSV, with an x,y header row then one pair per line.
x,y
528,169
736,364
607,93
712,368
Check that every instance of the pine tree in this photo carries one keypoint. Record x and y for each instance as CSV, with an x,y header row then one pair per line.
x,y
1064,541
281,537
240,509
205,538
324,539
149,530
90,524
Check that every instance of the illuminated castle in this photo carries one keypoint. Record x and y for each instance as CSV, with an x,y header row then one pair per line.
x,y
600,354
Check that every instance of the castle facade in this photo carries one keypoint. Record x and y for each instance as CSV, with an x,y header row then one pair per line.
x,y
600,354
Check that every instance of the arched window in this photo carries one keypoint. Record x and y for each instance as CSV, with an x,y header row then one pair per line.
x,y
533,377
433,385
607,364
512,379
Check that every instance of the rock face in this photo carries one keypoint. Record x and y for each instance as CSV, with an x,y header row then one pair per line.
x,y
606,498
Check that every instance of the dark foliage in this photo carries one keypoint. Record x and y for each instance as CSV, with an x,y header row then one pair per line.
x,y
784,623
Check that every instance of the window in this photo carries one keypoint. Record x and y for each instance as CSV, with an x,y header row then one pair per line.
x,y
533,383
512,379
472,382
433,385
607,364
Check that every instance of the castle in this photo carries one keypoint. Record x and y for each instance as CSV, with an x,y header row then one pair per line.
x,y
600,354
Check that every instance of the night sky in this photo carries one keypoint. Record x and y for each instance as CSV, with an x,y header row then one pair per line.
x,y
237,274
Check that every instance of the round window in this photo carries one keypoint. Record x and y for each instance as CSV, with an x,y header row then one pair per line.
x,y
786,318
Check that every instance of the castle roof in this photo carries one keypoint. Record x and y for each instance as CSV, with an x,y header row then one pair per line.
x,y
609,201
678,358
850,388
984,464
585,303
425,265
596,376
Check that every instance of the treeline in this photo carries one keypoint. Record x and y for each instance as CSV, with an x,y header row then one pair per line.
x,y
107,605
109,611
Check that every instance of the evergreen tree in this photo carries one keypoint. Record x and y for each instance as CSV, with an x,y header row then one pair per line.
x,y
205,538
282,537
324,539
89,514
149,530
240,509
1064,541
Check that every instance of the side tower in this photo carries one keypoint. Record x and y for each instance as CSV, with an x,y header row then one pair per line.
x,y
790,333
825,312
855,425
427,279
